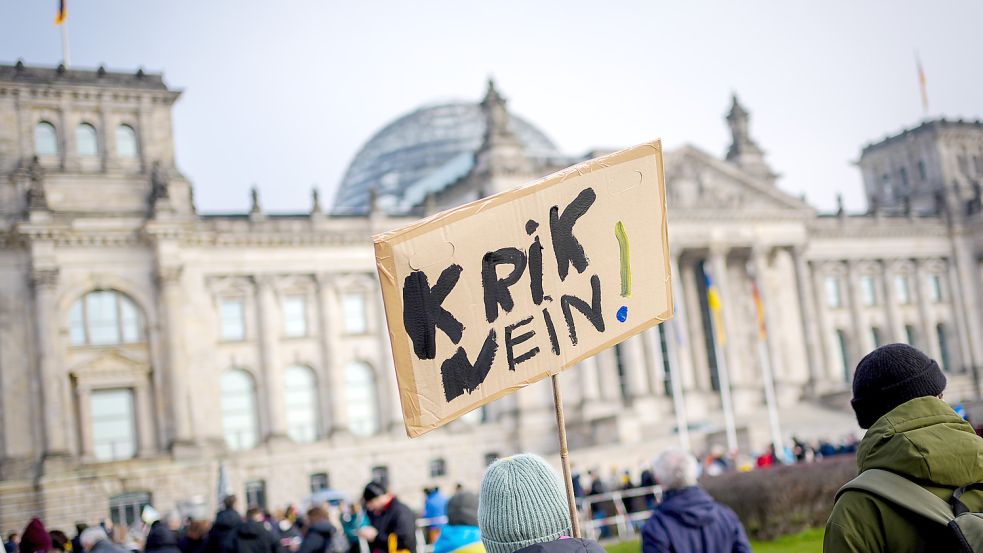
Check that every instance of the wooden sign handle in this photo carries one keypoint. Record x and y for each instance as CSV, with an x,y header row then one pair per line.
x,y
565,457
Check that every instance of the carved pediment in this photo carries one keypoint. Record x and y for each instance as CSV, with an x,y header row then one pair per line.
x,y
696,180
110,365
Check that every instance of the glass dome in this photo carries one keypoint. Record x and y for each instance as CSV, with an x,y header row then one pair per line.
x,y
436,142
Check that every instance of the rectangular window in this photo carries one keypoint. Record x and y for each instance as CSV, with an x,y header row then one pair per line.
x,y
113,425
921,169
943,346
380,474
833,296
125,509
963,165
233,315
438,468
844,346
904,179
901,289
868,290
935,288
875,336
256,494
320,481
295,316
102,316
909,331
353,309
76,325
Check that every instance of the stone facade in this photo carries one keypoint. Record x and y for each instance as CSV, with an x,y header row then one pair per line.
x,y
120,219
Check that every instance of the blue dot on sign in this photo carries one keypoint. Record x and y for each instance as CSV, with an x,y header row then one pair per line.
x,y
623,313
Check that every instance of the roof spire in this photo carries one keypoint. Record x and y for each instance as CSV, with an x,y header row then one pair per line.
x,y
496,114
743,151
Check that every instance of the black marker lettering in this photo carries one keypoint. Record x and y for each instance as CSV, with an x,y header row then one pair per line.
x,y
592,311
423,314
511,342
459,375
496,289
551,330
566,247
536,271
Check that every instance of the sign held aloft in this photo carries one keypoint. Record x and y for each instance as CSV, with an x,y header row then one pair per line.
x,y
494,295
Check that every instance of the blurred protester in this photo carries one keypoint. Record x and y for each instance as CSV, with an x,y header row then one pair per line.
x,y
162,537
461,534
353,518
766,459
319,532
522,507
392,525
128,540
435,507
76,543
95,540
60,541
10,544
252,536
195,538
897,395
35,538
688,519
578,488
647,481
226,521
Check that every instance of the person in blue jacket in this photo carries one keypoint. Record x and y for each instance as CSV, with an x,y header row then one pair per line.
x,y
688,519
435,507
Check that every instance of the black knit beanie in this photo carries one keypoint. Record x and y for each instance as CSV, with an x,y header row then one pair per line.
x,y
462,509
373,490
889,376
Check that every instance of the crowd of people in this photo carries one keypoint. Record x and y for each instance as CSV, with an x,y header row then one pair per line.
x,y
916,446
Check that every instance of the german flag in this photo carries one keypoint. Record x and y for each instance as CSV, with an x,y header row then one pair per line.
x,y
62,12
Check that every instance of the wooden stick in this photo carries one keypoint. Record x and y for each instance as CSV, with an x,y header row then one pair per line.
x,y
565,457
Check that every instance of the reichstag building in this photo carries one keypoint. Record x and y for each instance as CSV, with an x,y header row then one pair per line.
x,y
146,347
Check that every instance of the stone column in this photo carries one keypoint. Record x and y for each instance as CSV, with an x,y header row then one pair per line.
x,y
608,375
696,345
959,304
861,343
654,361
633,357
927,341
718,266
377,325
895,330
759,259
827,340
331,385
589,382
678,337
272,374
811,320
966,265
179,400
83,397
53,380
144,417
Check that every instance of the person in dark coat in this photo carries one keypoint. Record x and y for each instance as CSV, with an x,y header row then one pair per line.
x,y
252,536
195,538
10,545
319,534
76,541
688,519
226,522
162,537
388,516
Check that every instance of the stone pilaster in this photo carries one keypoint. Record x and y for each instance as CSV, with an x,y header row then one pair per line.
x,y
927,341
895,330
812,320
678,336
52,379
861,342
180,403
270,369
331,385
780,369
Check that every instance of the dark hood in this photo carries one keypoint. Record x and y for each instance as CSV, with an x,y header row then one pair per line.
x,y
323,527
227,519
161,536
563,545
690,506
251,529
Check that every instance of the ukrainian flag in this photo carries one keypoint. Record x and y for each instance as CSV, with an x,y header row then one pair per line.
x,y
716,308
62,14
759,308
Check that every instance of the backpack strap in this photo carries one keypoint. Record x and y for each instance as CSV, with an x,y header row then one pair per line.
x,y
958,507
901,492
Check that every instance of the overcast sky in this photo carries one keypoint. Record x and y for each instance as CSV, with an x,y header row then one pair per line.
x,y
283,94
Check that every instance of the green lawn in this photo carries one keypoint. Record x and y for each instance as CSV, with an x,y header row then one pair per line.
x,y
809,541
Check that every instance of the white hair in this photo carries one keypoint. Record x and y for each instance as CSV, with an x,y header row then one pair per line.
x,y
676,469
91,536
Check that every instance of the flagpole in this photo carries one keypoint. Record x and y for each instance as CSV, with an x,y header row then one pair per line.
x,y
64,44
678,402
768,376
723,377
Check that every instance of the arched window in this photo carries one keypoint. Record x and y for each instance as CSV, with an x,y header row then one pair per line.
x,y
300,389
363,414
86,141
45,139
103,318
126,141
239,409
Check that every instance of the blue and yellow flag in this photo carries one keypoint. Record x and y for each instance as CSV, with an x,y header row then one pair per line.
x,y
62,14
716,308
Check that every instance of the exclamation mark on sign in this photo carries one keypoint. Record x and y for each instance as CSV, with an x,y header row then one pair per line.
x,y
625,257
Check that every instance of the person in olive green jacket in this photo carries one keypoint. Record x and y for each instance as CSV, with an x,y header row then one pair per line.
x,y
897,393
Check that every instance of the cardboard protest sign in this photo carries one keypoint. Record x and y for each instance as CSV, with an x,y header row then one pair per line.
x,y
494,295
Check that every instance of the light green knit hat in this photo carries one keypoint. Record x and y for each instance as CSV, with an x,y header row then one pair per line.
x,y
521,503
